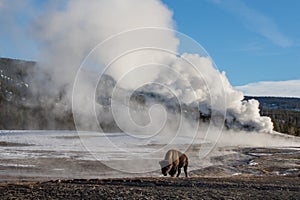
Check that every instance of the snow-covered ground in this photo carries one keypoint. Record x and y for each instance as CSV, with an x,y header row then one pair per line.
x,y
126,153
86,154
90,145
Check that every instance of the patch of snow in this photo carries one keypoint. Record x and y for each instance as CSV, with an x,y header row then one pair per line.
x,y
15,165
260,154
252,163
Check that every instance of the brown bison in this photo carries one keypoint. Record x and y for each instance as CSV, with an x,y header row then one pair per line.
x,y
173,162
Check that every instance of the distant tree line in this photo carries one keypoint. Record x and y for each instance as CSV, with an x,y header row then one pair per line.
x,y
285,121
284,112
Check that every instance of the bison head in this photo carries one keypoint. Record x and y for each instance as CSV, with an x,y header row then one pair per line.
x,y
165,167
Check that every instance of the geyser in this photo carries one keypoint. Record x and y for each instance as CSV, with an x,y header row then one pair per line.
x,y
134,43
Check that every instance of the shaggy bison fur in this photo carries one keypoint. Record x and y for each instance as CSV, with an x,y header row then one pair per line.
x,y
173,162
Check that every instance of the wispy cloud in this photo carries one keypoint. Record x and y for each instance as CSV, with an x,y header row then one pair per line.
x,y
255,21
289,88
251,47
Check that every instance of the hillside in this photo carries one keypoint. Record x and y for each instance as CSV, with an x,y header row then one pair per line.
x,y
20,109
278,103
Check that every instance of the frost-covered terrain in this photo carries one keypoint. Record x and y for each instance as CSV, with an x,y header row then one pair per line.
x,y
106,148
71,154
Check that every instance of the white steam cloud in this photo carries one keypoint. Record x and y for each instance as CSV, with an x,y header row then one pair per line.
x,y
133,42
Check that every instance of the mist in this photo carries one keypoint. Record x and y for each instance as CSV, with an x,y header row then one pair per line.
x,y
134,43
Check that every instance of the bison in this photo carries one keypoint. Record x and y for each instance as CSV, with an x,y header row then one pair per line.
x,y
173,162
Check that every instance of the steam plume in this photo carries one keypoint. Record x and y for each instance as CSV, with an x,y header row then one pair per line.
x,y
70,33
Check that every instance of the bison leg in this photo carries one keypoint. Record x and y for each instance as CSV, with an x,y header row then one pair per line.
x,y
185,170
179,171
173,171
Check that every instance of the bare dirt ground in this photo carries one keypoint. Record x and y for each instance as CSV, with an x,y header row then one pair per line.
x,y
239,187
244,173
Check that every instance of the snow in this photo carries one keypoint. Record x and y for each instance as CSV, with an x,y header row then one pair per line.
x,y
15,165
111,149
83,145
140,153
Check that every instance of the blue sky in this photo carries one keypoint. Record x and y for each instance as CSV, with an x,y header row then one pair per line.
x,y
257,40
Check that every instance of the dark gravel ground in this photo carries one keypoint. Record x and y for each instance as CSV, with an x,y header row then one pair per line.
x,y
246,173
237,187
